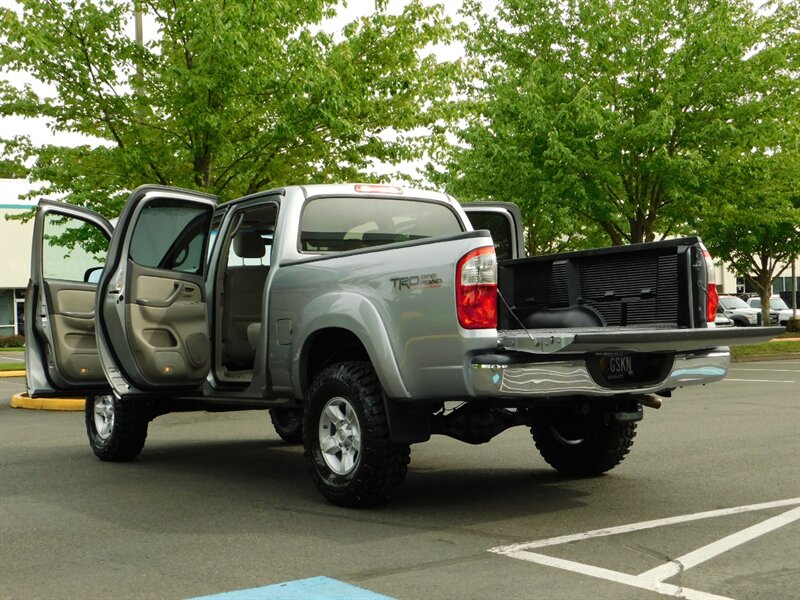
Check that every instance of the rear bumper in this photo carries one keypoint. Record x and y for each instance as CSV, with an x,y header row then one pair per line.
x,y
494,377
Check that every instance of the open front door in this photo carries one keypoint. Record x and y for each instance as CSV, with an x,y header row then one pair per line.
x,y
504,221
153,330
69,250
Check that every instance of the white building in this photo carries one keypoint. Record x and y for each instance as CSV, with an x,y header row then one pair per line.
x,y
15,254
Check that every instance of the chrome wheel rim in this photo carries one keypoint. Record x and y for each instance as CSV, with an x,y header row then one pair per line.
x,y
340,436
104,416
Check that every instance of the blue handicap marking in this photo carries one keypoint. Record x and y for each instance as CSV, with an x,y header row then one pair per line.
x,y
313,588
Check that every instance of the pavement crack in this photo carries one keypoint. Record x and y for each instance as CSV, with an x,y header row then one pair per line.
x,y
366,576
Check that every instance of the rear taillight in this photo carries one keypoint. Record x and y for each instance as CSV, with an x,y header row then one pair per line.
x,y
712,297
476,289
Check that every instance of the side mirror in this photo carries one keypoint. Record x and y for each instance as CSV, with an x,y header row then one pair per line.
x,y
92,275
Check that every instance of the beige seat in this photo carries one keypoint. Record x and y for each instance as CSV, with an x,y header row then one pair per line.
x,y
242,296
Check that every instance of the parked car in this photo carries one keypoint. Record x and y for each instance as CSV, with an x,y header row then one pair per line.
x,y
779,311
738,311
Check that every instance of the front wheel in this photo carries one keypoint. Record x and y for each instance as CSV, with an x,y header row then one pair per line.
x,y
347,446
116,427
583,445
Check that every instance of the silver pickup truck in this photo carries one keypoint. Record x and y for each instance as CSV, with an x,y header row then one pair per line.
x,y
365,318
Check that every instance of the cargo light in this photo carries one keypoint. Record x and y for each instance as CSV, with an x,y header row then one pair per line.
x,y
374,188
712,296
476,289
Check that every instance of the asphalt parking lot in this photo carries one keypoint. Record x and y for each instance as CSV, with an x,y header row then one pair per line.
x,y
706,506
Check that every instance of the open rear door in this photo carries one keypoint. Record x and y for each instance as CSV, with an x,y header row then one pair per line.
x,y
153,330
68,253
504,221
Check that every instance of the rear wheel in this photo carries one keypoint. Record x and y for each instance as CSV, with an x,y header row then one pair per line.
x,y
347,446
116,427
288,423
583,445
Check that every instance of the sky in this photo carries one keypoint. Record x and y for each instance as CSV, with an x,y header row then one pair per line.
x,y
40,133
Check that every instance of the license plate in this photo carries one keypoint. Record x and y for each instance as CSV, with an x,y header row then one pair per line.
x,y
615,369
618,367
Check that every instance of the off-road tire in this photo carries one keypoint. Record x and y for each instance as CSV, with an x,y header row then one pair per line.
x,y
123,437
583,446
380,466
288,423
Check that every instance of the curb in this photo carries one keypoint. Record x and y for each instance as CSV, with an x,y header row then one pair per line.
x,y
12,373
763,357
68,404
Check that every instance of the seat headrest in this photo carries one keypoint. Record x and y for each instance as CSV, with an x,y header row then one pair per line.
x,y
249,244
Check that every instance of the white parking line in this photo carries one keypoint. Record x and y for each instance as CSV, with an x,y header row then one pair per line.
x,y
770,370
653,580
694,558
762,380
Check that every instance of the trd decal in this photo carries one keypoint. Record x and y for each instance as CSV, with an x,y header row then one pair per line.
x,y
416,282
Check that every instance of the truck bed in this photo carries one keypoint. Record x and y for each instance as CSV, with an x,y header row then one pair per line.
x,y
654,284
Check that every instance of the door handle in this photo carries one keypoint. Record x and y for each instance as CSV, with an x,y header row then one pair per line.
x,y
78,315
168,301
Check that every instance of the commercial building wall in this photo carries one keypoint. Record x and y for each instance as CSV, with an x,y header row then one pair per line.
x,y
15,254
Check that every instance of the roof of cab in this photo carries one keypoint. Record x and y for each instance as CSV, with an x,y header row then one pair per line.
x,y
372,189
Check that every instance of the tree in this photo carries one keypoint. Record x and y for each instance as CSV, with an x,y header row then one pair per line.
x,y
757,228
12,163
610,113
229,96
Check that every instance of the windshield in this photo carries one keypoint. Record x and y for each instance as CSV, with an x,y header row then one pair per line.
x,y
775,303
778,304
731,302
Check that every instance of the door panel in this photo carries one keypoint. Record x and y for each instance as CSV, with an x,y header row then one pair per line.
x,y
72,320
168,321
69,243
154,332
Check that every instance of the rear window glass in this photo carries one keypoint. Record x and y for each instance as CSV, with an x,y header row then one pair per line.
x,y
339,224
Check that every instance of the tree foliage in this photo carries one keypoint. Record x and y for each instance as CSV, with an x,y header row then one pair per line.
x,y
609,115
224,96
757,228
12,158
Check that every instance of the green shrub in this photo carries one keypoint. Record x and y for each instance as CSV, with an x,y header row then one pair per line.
x,y
12,341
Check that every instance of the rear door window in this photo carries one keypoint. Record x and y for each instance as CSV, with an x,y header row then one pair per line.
x,y
171,235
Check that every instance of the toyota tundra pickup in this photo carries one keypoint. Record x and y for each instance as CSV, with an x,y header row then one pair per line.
x,y
366,318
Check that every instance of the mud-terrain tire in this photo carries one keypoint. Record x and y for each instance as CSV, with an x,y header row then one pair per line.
x,y
583,446
288,423
117,428
347,445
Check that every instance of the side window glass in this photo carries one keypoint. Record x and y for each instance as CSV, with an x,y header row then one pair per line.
x,y
500,227
72,249
171,234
